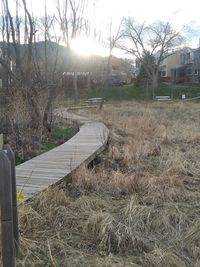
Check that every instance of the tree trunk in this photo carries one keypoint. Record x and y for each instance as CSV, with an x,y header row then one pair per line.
x,y
155,79
89,81
147,89
75,87
47,119
108,71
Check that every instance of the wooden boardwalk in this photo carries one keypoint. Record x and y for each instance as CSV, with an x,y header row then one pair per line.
x,y
49,168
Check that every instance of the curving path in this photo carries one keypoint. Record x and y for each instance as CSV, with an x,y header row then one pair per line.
x,y
49,168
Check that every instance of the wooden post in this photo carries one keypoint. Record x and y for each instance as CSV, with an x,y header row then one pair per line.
x,y
1,141
101,104
11,157
8,254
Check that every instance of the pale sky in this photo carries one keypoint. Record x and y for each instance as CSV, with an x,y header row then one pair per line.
x,y
178,12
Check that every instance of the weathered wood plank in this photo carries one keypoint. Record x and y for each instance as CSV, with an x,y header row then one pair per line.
x,y
38,173
1,141
11,157
7,237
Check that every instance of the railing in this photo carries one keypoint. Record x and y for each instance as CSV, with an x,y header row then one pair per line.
x,y
8,201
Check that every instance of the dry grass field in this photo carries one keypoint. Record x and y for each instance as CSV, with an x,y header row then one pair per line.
x,y
137,205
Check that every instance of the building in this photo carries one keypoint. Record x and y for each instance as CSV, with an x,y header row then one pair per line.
x,y
168,63
182,71
121,70
183,66
196,66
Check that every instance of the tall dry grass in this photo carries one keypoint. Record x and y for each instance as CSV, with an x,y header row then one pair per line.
x,y
137,206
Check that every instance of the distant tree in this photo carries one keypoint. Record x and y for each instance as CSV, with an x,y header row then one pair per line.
x,y
71,20
25,68
146,66
19,72
157,40
144,77
114,35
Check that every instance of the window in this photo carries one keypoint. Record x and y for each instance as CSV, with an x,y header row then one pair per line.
x,y
189,71
196,72
183,59
163,67
137,63
163,73
188,57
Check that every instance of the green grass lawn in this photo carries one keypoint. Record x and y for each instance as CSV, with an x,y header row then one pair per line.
x,y
176,91
130,92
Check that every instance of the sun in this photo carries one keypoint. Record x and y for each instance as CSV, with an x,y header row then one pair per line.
x,y
87,47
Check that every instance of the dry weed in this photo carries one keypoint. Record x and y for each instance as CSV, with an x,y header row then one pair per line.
x,y
139,206
162,259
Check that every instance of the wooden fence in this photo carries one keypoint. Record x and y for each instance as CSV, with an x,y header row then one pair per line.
x,y
8,201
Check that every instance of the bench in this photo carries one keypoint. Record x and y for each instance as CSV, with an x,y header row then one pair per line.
x,y
96,100
162,97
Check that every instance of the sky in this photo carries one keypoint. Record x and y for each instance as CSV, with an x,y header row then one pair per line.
x,y
178,12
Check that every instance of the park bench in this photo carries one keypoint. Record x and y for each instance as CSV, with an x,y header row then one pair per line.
x,y
162,97
96,101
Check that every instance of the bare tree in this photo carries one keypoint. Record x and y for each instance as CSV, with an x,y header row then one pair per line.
x,y
24,70
114,35
71,21
158,40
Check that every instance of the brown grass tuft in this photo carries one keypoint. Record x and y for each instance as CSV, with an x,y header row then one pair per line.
x,y
138,206
162,259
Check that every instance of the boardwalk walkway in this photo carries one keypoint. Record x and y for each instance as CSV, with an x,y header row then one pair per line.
x,y
49,168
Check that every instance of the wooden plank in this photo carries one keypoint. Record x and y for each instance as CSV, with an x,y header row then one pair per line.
x,y
31,186
11,157
38,173
8,253
34,182
1,141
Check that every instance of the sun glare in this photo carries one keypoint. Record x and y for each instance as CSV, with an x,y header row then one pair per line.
x,y
87,47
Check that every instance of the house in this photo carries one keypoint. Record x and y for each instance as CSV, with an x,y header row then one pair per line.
x,y
196,66
121,70
167,64
1,69
183,66
183,71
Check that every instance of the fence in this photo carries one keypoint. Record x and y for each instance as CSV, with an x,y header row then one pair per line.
x,y
8,201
